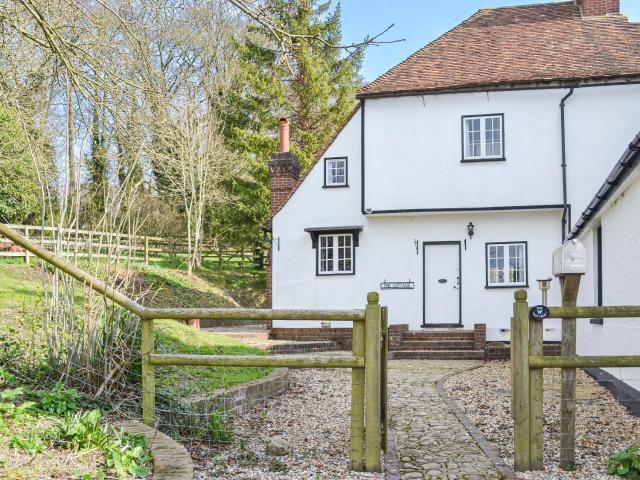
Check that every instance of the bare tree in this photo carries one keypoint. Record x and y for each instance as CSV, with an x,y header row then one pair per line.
x,y
195,164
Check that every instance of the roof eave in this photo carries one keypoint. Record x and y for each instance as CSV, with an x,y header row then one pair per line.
x,y
502,86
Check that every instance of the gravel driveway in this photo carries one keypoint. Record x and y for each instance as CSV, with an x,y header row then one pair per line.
x,y
312,418
602,424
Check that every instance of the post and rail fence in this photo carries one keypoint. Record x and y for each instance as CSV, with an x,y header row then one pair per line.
x,y
80,243
528,363
367,360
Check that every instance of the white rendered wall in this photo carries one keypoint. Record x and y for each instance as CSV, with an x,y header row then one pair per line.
x,y
413,157
621,283
415,142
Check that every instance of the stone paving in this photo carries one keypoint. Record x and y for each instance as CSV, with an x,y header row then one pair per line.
x,y
431,443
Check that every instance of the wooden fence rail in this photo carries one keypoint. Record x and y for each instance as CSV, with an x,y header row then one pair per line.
x,y
366,364
528,363
79,243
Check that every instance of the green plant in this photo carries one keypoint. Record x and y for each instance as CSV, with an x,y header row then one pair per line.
x,y
276,465
625,463
57,401
247,457
220,428
32,443
82,430
9,408
128,455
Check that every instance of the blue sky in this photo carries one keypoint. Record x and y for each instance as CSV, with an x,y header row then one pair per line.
x,y
418,22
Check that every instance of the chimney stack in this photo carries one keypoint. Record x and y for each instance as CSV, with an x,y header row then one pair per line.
x,y
598,8
284,169
283,130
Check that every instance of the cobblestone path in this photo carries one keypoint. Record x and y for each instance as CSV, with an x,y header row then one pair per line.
x,y
430,441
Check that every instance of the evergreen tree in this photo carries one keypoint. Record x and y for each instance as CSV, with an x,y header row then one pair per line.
x,y
312,84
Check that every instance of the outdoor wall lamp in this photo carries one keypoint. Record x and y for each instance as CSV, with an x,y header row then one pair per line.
x,y
266,233
544,283
470,229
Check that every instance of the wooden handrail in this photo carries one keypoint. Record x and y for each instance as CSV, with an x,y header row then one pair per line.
x,y
595,312
253,314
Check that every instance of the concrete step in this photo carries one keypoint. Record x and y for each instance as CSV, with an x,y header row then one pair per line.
x,y
437,354
439,344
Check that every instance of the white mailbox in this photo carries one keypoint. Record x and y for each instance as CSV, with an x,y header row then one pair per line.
x,y
570,258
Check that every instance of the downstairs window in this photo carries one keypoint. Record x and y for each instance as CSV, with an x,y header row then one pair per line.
x,y
507,264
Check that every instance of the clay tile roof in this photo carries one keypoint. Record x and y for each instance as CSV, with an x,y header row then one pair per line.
x,y
524,44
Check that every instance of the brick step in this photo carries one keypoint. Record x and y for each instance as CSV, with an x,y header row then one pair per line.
x,y
437,354
243,336
437,344
302,347
439,335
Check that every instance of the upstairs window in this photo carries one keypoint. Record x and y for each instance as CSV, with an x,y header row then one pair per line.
x,y
507,264
335,172
335,254
483,137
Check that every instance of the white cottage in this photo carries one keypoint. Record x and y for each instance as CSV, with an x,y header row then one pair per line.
x,y
460,171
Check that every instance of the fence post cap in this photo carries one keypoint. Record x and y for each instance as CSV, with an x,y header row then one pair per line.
x,y
520,294
373,297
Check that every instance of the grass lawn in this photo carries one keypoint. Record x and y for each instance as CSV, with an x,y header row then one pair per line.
x,y
174,337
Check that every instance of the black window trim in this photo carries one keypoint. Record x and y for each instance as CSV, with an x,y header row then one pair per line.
x,y
346,172
482,159
354,231
526,264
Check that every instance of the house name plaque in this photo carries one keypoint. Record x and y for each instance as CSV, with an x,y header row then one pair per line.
x,y
409,285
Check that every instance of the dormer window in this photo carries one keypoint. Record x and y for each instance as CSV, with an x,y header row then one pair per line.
x,y
483,138
335,172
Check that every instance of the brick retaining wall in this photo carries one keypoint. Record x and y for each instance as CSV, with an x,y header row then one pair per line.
x,y
240,398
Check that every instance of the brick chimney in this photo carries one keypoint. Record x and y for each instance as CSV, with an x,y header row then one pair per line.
x,y
284,169
598,8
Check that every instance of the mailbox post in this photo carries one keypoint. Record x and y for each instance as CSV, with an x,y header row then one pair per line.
x,y
569,264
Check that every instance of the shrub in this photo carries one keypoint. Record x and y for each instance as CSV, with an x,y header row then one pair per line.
x,y
625,463
57,401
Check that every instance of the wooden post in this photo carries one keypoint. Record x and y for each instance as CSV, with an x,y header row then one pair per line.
x,y
384,378
146,250
26,252
536,405
520,386
372,383
512,362
356,450
220,260
148,375
569,285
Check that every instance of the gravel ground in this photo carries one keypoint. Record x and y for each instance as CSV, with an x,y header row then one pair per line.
x,y
602,424
312,417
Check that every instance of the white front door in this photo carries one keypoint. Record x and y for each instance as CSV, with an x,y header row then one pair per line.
x,y
442,283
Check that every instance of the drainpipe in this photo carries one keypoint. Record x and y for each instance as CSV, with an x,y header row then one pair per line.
x,y
566,214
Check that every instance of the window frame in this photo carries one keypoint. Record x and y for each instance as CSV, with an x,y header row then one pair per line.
x,y
524,284
346,173
335,248
483,157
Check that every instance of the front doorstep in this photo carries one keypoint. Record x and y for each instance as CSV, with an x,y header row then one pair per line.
x,y
442,325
